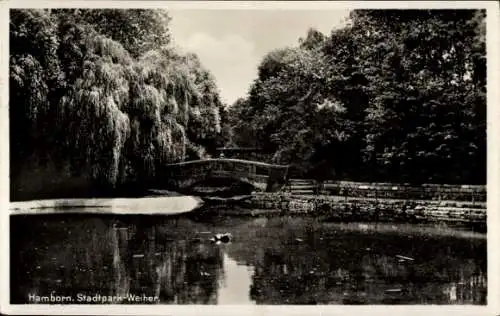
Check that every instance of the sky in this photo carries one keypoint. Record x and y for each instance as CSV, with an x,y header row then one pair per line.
x,y
231,43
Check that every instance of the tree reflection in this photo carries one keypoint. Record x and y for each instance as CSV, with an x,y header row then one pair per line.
x,y
292,262
321,270
177,271
119,260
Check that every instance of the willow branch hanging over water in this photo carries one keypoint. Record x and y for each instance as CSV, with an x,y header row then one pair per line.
x,y
111,114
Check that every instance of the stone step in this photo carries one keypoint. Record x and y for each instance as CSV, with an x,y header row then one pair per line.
x,y
303,191
301,180
301,183
302,186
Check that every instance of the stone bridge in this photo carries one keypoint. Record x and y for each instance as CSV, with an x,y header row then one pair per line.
x,y
262,176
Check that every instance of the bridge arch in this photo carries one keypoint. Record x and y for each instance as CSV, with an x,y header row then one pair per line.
x,y
262,176
222,187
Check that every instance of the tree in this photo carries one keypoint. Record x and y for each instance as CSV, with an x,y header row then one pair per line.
x,y
113,102
34,76
313,41
416,128
404,92
138,30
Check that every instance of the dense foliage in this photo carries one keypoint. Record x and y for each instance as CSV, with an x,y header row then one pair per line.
x,y
396,95
102,94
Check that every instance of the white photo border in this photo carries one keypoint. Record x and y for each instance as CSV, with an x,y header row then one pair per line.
x,y
493,179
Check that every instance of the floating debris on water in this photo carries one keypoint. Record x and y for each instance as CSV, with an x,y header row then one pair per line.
x,y
404,258
222,237
393,291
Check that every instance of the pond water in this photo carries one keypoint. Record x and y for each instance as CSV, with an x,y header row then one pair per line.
x,y
279,260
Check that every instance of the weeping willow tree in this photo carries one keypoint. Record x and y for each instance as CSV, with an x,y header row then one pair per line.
x,y
91,111
160,98
112,116
34,70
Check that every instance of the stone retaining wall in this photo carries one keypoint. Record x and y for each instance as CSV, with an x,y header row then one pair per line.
x,y
389,190
342,208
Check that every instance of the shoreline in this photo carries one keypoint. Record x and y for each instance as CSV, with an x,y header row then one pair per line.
x,y
339,208
160,205
329,207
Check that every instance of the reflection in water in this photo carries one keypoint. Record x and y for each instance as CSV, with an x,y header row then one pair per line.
x,y
175,271
116,261
361,279
270,261
235,288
